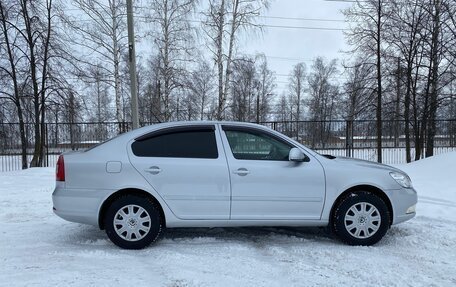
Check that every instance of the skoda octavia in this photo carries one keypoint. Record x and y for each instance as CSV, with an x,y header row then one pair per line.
x,y
225,174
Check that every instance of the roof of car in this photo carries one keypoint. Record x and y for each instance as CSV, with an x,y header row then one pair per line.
x,y
193,123
153,127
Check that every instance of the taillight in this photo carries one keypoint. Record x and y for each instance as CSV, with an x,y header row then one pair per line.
x,y
60,169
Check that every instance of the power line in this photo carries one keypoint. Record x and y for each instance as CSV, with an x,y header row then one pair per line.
x,y
303,19
303,27
257,25
259,16
289,59
268,25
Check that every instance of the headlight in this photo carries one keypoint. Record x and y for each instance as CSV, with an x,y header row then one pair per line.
x,y
402,179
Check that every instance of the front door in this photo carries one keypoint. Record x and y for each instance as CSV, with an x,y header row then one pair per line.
x,y
187,168
264,183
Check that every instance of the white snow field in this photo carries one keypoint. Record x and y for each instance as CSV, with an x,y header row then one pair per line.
x,y
39,249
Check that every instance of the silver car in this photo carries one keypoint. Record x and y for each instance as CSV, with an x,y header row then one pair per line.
x,y
225,174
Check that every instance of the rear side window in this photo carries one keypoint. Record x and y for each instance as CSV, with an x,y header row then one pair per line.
x,y
195,143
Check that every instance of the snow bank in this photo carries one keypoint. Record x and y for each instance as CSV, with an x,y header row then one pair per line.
x,y
39,249
435,180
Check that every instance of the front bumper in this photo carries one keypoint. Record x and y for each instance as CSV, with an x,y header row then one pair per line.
x,y
78,205
403,201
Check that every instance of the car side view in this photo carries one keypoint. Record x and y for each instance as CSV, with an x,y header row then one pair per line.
x,y
225,174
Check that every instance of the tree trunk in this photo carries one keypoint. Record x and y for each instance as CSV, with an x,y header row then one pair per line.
x,y
23,136
379,85
116,59
16,96
431,128
229,59
41,160
219,59
398,101
408,155
234,25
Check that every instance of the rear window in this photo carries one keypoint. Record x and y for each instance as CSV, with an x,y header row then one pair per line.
x,y
195,143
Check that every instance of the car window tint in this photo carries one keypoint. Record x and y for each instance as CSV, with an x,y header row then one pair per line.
x,y
257,146
182,144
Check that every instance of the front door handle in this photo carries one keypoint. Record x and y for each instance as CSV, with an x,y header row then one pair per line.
x,y
241,172
153,170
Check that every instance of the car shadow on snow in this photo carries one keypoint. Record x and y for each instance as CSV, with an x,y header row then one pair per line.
x,y
90,235
85,235
247,233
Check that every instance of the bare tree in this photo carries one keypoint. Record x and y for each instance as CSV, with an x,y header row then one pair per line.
x,y
149,91
266,87
405,33
323,91
297,87
366,35
9,69
36,30
359,91
225,18
323,97
99,102
200,86
243,90
284,109
174,41
101,36
435,60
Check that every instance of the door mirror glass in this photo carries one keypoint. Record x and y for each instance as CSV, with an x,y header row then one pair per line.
x,y
297,155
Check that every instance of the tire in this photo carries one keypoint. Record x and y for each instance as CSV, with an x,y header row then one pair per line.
x,y
361,218
138,222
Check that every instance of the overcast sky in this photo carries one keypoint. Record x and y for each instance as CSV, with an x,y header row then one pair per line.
x,y
287,46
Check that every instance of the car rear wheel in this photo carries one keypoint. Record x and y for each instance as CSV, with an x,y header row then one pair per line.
x,y
133,222
361,218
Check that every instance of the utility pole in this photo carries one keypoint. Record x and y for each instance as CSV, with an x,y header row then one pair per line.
x,y
132,62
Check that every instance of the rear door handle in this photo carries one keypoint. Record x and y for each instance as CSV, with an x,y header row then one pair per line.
x,y
241,172
153,170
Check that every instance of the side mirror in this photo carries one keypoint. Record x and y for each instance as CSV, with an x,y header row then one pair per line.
x,y
297,155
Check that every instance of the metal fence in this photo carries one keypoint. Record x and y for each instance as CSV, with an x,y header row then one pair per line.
x,y
340,138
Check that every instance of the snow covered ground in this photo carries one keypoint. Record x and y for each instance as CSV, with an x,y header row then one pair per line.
x,y
39,249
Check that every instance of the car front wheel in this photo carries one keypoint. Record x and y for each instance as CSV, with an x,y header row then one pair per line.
x,y
361,218
133,222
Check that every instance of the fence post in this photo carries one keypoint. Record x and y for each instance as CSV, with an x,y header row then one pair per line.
x,y
452,133
348,138
46,130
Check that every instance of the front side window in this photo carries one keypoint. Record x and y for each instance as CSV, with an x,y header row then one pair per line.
x,y
199,143
256,145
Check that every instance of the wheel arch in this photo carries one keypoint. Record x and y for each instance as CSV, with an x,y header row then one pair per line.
x,y
369,188
128,191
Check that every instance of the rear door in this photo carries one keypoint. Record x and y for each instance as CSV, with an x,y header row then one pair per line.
x,y
264,183
187,167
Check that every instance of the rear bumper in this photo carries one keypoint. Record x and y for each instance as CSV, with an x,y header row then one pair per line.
x,y
78,205
403,201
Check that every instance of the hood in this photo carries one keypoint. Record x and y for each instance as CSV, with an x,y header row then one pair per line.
x,y
365,163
